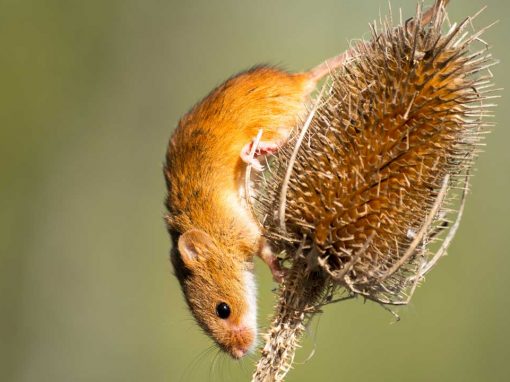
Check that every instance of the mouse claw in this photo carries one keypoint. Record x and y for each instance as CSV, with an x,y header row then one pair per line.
x,y
278,273
263,148
272,261
255,164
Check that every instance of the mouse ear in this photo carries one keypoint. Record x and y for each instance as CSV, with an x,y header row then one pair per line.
x,y
192,244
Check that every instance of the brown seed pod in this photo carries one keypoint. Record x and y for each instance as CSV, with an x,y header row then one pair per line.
x,y
357,196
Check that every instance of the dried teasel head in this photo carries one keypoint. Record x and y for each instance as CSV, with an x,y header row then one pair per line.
x,y
359,193
366,186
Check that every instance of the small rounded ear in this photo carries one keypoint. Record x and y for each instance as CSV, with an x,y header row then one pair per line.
x,y
192,244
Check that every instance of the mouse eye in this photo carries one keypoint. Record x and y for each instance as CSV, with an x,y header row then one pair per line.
x,y
223,310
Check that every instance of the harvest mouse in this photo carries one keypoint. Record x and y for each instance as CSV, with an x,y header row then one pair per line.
x,y
215,237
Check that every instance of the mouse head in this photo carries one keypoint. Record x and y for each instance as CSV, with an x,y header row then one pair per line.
x,y
220,291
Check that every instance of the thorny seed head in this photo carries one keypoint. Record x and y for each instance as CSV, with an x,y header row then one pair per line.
x,y
356,197
374,177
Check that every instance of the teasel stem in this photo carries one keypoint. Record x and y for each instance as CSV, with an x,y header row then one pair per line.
x,y
299,298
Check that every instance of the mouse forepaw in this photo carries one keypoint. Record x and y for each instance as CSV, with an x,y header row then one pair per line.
x,y
272,261
276,270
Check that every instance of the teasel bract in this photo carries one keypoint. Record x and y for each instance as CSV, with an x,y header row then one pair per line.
x,y
377,174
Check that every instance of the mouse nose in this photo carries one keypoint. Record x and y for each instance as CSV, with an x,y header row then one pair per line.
x,y
241,342
238,353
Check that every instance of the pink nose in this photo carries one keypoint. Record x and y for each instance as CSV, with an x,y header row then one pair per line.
x,y
238,353
240,341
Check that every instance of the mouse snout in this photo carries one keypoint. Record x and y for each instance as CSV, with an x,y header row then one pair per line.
x,y
238,353
241,342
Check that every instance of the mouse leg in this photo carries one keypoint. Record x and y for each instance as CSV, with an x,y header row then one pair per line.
x,y
267,255
263,148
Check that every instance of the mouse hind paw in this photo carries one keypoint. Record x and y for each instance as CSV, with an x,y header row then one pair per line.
x,y
263,148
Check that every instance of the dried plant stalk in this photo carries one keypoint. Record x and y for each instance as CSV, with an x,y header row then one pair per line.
x,y
298,300
356,197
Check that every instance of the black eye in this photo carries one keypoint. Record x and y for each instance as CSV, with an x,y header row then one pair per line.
x,y
223,310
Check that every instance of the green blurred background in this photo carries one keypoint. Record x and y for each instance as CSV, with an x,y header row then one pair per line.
x,y
90,92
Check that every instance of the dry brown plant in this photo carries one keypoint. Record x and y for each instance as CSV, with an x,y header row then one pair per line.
x,y
376,175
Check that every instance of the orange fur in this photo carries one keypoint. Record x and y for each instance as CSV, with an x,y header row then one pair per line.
x,y
205,289
204,169
215,234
